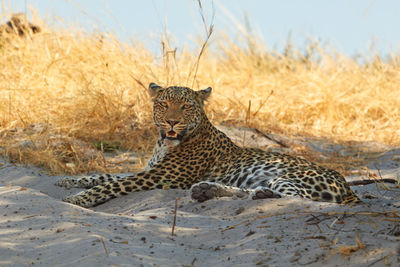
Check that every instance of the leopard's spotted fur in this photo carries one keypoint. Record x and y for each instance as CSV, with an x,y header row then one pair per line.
x,y
192,153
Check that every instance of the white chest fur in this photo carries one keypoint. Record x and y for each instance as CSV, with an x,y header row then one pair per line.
x,y
159,152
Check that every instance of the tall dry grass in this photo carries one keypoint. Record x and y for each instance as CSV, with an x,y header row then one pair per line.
x,y
65,94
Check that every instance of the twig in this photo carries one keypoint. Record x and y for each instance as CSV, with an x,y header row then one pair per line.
x,y
139,82
30,216
316,237
174,223
380,176
257,218
365,182
104,245
269,137
247,119
378,260
263,103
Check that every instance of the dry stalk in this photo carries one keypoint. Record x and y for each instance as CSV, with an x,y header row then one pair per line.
x,y
247,122
104,246
174,222
345,250
348,250
209,30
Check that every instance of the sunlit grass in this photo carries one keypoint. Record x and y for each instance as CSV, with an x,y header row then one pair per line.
x,y
63,92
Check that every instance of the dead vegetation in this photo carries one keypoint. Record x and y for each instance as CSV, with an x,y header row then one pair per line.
x,y
19,25
86,91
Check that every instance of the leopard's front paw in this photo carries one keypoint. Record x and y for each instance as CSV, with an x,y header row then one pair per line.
x,y
203,191
67,182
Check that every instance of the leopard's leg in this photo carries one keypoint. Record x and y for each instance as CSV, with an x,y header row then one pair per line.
x,y
145,180
206,190
88,181
285,187
327,187
277,187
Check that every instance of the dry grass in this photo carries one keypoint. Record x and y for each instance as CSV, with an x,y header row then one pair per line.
x,y
64,93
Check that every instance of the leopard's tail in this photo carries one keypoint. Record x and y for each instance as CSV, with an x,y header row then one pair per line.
x,y
351,199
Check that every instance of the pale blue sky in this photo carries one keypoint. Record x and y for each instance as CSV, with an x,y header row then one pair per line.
x,y
351,26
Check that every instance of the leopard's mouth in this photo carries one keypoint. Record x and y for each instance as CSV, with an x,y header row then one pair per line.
x,y
171,135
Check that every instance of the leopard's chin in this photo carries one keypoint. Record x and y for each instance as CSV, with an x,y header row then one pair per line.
x,y
171,142
171,138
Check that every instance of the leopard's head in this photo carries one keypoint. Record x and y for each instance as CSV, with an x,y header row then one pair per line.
x,y
177,111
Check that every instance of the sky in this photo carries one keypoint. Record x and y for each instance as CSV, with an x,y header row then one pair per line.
x,y
352,27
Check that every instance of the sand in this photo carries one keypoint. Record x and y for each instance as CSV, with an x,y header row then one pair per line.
x,y
38,229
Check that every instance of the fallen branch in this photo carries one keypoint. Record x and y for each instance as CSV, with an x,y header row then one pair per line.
x,y
366,182
269,137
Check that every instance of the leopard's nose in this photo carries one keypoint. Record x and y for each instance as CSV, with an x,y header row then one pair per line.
x,y
172,123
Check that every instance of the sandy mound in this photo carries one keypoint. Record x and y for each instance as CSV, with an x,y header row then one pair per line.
x,y
37,228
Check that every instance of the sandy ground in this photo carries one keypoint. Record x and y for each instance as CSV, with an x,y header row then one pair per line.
x,y
37,228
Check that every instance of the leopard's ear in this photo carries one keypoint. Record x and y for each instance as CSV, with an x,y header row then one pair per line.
x,y
154,89
205,93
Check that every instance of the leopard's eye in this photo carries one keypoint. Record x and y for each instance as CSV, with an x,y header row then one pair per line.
x,y
186,106
164,104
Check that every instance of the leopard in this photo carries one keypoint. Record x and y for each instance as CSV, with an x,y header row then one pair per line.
x,y
192,154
